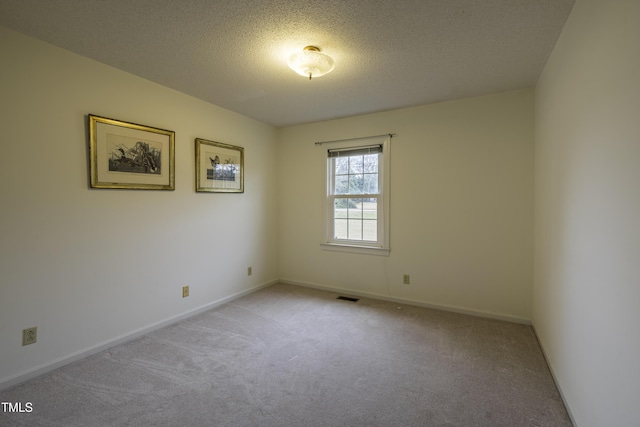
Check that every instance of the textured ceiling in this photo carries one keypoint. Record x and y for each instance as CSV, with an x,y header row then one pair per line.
x,y
232,53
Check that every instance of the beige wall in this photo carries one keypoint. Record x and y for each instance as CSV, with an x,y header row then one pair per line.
x,y
89,266
461,206
587,275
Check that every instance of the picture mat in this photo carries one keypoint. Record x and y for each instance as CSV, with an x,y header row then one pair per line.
x,y
108,136
207,153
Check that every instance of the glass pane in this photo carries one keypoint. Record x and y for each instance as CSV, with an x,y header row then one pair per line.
x,y
355,229
340,229
370,208
370,230
355,208
341,165
341,184
371,163
356,184
340,208
370,183
356,164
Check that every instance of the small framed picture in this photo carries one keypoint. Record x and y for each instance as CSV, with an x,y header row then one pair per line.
x,y
130,156
219,167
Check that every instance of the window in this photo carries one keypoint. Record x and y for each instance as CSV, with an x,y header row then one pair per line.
x,y
357,208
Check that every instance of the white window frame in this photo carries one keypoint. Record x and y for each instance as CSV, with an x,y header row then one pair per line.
x,y
381,247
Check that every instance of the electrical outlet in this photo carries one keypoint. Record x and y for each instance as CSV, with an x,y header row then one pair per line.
x,y
406,279
185,291
249,271
29,335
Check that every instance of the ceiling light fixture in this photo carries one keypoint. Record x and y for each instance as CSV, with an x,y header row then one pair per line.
x,y
311,62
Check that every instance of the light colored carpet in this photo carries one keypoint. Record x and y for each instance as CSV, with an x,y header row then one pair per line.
x,y
292,356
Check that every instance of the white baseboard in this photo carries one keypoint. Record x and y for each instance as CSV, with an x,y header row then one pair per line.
x,y
461,310
23,376
553,375
81,354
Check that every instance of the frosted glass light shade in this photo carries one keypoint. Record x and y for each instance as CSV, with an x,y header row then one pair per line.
x,y
311,62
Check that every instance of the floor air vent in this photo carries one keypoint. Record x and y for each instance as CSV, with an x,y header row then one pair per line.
x,y
348,299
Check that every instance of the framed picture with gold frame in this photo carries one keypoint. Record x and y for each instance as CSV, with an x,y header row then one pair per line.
x,y
219,167
130,156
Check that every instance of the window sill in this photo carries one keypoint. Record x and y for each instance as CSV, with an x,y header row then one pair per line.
x,y
367,250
